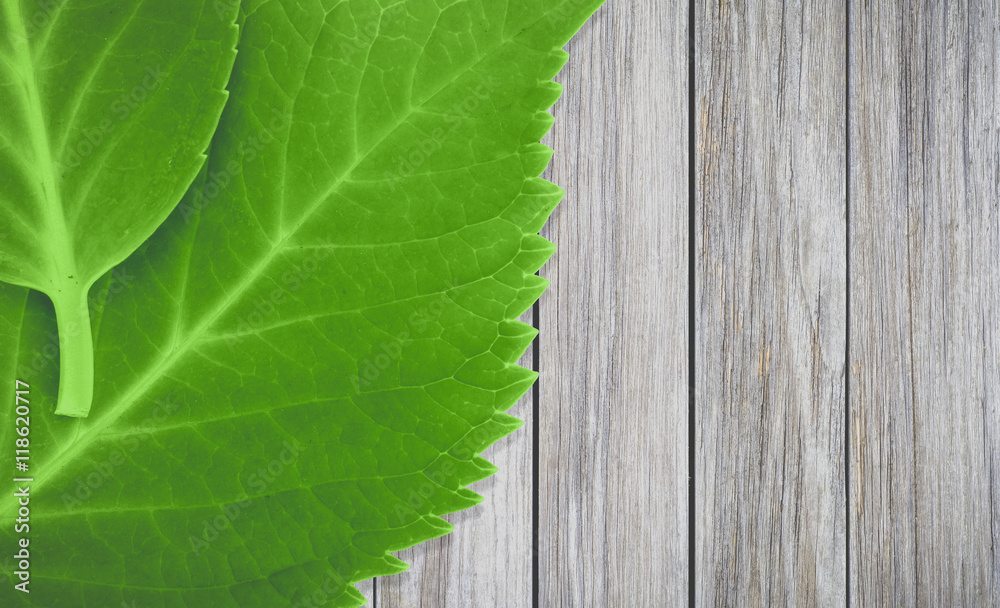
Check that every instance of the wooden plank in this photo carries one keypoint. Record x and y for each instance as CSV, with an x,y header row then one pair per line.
x,y
366,588
925,298
770,303
486,561
613,406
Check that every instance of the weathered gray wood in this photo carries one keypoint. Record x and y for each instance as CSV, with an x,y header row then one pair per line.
x,y
925,304
770,307
613,405
486,560
366,588
771,320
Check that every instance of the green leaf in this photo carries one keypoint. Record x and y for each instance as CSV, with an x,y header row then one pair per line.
x,y
107,110
299,370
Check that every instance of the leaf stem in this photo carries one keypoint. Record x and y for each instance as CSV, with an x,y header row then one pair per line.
x,y
76,353
76,356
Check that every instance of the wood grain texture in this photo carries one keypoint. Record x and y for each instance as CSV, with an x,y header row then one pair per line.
x,y
613,404
925,303
774,203
366,589
486,561
770,304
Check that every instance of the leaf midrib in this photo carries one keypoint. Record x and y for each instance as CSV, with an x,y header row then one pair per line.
x,y
59,243
116,410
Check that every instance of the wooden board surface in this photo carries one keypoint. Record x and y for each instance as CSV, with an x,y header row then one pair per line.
x,y
846,231
925,296
614,400
771,308
613,469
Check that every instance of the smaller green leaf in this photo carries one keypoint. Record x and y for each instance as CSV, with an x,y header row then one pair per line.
x,y
108,109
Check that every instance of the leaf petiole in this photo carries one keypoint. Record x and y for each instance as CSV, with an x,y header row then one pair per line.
x,y
76,352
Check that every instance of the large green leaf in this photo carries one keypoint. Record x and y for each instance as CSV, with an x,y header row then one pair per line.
x,y
298,371
107,109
